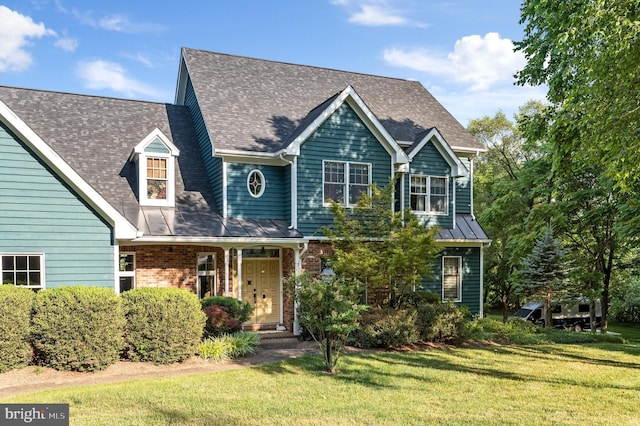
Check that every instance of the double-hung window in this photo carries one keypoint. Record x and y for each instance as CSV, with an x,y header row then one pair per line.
x,y
157,178
452,278
23,270
127,272
429,194
345,182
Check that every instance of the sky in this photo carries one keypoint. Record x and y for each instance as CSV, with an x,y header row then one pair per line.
x,y
460,50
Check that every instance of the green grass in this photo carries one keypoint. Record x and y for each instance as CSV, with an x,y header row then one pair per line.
x,y
548,384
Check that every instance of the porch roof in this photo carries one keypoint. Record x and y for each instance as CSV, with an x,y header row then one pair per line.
x,y
193,222
467,230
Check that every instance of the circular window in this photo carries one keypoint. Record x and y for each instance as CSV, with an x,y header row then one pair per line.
x,y
255,183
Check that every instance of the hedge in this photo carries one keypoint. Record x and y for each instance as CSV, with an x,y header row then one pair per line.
x,y
163,325
15,321
77,328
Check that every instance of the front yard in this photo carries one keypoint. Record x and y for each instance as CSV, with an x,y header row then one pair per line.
x,y
546,384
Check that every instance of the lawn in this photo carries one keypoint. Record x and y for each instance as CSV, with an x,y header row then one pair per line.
x,y
549,384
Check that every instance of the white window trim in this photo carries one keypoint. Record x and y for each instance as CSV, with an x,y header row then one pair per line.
x,y
42,268
346,178
264,183
428,195
211,273
459,299
124,274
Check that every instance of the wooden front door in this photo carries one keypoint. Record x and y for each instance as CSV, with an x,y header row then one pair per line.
x,y
262,289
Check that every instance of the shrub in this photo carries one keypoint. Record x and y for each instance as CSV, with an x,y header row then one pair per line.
x,y
442,322
164,325
626,307
238,310
386,328
420,298
228,346
15,318
219,321
77,328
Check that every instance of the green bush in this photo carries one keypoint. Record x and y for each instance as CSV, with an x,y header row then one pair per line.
x,y
386,328
420,298
442,322
626,307
15,320
238,310
77,328
228,346
219,322
164,325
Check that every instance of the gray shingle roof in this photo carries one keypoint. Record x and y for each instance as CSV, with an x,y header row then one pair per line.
x,y
257,105
96,135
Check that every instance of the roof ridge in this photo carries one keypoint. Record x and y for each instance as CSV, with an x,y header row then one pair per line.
x,y
301,65
85,95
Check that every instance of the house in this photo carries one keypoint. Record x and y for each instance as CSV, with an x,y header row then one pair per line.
x,y
224,191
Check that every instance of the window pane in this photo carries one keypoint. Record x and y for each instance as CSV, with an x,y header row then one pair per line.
x,y
451,278
34,263
418,193
355,191
21,263
359,174
333,192
418,203
126,284
156,189
7,263
205,262
21,278
126,262
34,278
438,199
7,278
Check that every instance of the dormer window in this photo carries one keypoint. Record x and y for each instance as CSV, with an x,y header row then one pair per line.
x,y
155,157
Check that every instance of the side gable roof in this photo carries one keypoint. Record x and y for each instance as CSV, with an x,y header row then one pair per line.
x,y
457,168
256,105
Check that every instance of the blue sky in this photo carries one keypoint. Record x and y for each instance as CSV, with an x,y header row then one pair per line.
x,y
460,50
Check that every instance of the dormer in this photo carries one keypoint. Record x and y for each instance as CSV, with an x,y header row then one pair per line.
x,y
155,158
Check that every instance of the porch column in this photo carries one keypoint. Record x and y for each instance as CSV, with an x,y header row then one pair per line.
x,y
226,272
298,253
239,251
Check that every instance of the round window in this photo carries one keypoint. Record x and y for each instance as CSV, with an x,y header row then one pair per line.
x,y
255,183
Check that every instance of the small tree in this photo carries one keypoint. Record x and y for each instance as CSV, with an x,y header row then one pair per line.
x,y
381,248
545,272
329,311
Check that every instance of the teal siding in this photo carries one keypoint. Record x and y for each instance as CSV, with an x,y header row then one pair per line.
x,y
40,214
213,166
463,189
343,137
156,146
271,205
429,162
471,268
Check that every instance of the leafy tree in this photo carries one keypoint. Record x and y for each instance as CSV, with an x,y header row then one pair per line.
x,y
545,272
381,248
512,196
329,311
587,52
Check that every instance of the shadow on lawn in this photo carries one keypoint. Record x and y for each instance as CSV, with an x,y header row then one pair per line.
x,y
383,369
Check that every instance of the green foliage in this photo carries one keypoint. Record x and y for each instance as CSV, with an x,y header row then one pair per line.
x,y
544,273
241,311
15,322
164,325
626,308
77,328
442,322
228,346
329,311
380,248
386,328
419,298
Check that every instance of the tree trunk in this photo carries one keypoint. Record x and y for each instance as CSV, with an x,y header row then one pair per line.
x,y
548,319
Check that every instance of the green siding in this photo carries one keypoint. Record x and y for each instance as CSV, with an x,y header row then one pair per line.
x,y
40,214
156,146
272,203
429,162
343,137
471,268
463,189
213,166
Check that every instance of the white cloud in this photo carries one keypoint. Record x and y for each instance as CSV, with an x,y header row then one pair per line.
x,y
139,57
375,13
14,32
67,44
117,23
100,75
475,60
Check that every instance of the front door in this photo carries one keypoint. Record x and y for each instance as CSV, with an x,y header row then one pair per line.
x,y
262,289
